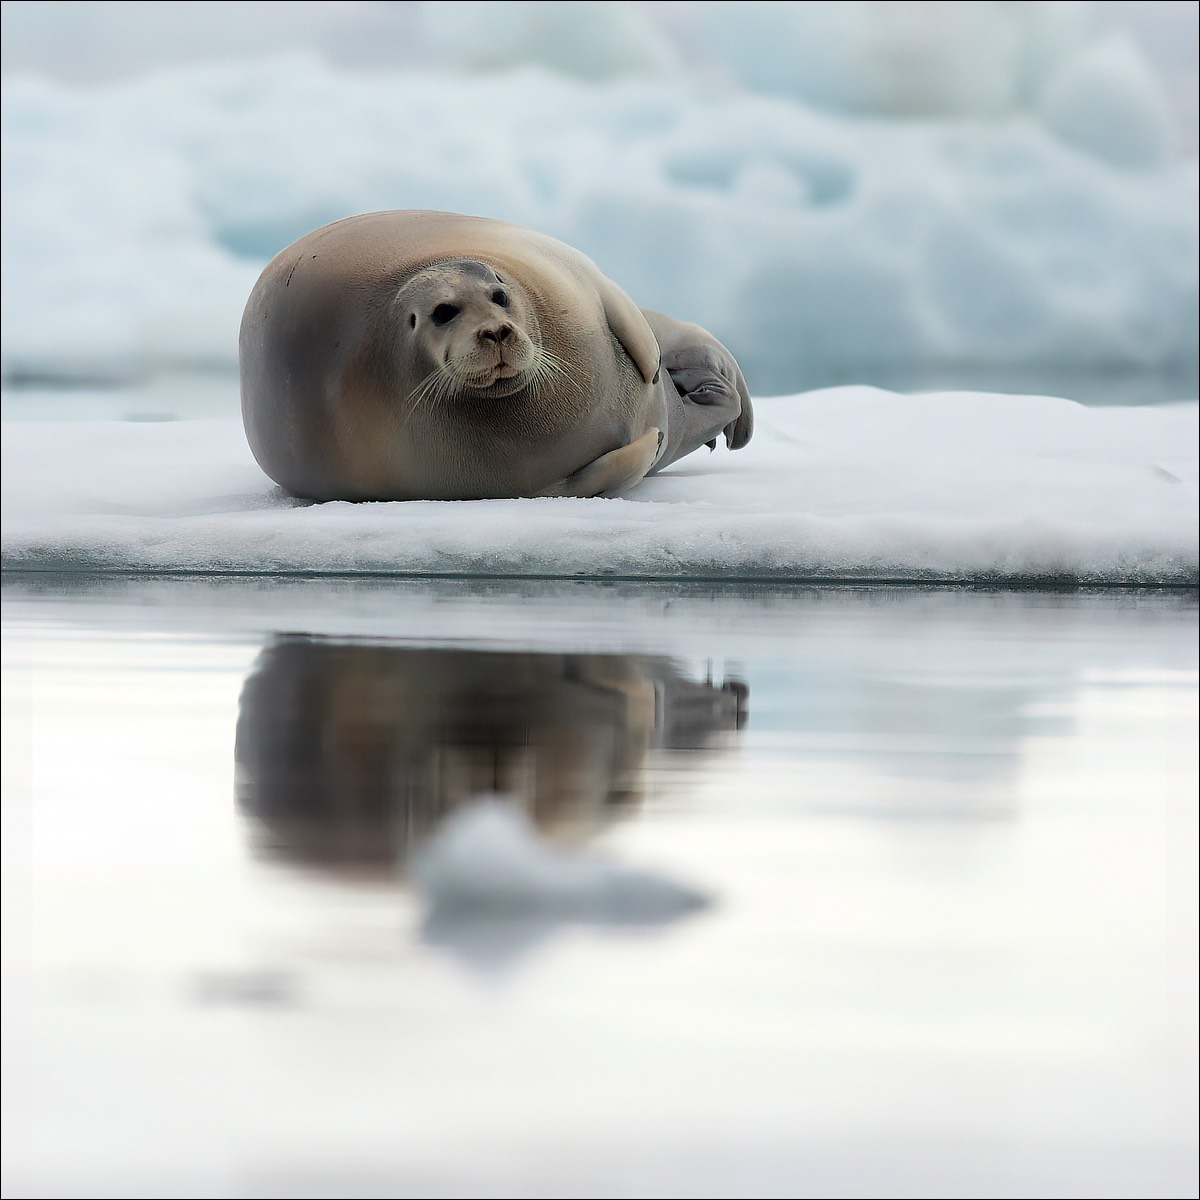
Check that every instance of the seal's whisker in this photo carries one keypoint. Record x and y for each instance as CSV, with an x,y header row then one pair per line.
x,y
548,368
433,390
565,370
415,397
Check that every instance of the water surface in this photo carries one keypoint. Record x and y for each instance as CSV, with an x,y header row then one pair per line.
x,y
947,839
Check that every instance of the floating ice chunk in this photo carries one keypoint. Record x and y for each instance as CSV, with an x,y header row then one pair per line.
x,y
867,56
1106,102
589,40
487,861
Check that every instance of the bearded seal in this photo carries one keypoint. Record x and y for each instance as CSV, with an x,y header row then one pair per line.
x,y
414,355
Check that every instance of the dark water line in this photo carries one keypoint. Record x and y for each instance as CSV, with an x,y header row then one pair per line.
x,y
1184,580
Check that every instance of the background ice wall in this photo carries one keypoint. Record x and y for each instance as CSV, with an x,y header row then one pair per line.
x,y
841,192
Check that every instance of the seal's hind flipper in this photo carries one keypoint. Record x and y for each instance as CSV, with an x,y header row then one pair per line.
x,y
611,473
737,433
706,395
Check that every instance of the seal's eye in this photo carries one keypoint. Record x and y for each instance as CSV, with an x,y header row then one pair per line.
x,y
444,314
500,297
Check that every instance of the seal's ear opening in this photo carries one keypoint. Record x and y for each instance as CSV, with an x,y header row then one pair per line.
x,y
611,473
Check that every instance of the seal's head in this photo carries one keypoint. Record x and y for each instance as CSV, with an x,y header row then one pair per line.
x,y
473,332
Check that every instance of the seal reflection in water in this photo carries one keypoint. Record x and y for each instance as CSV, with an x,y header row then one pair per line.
x,y
347,754
422,355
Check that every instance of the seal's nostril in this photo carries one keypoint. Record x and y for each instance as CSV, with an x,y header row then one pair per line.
x,y
503,332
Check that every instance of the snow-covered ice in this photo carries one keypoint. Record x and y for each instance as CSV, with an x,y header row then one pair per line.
x,y
847,483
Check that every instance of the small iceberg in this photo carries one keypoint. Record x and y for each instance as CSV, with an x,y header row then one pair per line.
x,y
493,886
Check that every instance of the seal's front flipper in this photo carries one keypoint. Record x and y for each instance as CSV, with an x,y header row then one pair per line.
x,y
629,324
611,473
631,329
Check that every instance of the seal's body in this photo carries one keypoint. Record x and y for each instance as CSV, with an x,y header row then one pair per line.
x,y
423,355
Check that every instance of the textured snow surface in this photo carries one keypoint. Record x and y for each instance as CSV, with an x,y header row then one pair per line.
x,y
851,483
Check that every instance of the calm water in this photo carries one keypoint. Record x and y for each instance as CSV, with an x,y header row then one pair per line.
x,y
948,840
